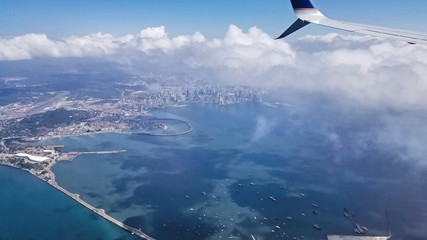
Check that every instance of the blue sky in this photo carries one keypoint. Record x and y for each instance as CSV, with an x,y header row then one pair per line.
x,y
59,18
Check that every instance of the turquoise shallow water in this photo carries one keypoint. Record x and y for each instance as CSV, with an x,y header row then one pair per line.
x,y
31,209
198,186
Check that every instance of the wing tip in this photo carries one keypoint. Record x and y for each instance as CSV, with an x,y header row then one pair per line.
x,y
298,24
302,4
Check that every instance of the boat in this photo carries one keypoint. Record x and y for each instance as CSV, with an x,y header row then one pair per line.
x,y
252,184
241,185
289,218
349,213
317,227
277,227
272,198
204,193
253,238
315,205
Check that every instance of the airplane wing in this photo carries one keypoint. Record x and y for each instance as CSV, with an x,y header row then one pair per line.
x,y
307,13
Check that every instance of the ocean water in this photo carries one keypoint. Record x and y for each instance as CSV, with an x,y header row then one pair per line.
x,y
32,210
198,186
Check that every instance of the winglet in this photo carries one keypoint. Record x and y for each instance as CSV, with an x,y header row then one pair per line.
x,y
302,4
306,13
294,27
305,10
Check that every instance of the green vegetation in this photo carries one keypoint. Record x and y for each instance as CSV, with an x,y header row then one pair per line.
x,y
41,123
25,165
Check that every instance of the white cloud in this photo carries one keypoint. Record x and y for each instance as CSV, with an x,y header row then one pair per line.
x,y
366,70
406,135
262,128
38,45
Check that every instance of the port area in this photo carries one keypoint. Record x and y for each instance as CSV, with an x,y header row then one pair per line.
x,y
38,161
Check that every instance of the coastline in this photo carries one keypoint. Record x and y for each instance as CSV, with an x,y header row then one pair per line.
x,y
117,131
20,159
76,197
45,138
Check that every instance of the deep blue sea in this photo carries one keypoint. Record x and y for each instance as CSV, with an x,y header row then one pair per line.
x,y
215,182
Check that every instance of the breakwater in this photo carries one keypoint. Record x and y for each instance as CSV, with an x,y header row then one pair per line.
x,y
164,128
100,212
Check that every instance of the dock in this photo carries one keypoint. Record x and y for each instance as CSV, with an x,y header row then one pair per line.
x,y
101,152
71,155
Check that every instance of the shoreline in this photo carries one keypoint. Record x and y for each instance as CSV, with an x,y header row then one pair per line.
x,y
46,138
118,131
43,169
76,197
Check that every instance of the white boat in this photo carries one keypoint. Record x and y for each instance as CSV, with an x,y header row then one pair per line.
x,y
272,198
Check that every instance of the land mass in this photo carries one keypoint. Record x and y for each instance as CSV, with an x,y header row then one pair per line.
x,y
51,114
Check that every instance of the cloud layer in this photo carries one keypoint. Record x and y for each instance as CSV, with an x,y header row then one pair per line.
x,y
367,72
363,69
